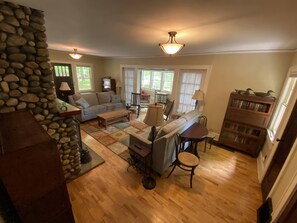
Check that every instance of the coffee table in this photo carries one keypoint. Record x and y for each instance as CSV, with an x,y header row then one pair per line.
x,y
108,118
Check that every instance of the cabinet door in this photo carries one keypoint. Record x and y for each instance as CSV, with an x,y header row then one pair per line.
x,y
247,117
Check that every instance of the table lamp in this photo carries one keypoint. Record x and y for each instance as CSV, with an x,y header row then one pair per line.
x,y
154,117
64,87
199,97
118,86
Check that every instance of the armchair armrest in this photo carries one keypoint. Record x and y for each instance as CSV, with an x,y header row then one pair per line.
x,y
136,139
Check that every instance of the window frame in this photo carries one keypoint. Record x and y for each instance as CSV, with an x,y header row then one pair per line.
x,y
163,71
91,76
200,86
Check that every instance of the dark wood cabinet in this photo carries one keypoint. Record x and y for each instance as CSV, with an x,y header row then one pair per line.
x,y
245,122
108,84
31,171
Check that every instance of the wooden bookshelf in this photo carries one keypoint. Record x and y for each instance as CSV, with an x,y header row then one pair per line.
x,y
245,122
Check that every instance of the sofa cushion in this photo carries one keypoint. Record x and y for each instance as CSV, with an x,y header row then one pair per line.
x,y
113,106
188,116
82,102
91,98
170,127
115,98
103,97
95,109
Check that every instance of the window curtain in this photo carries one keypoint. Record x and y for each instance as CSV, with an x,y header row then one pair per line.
x,y
190,80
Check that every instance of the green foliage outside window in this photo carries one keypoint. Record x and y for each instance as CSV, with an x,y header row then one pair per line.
x,y
84,78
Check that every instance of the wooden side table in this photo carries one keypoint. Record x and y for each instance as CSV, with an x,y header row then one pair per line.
x,y
140,157
195,133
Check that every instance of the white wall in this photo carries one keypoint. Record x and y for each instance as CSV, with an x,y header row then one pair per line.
x,y
286,182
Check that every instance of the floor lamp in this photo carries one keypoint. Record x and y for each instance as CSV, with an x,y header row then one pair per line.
x,y
199,97
154,117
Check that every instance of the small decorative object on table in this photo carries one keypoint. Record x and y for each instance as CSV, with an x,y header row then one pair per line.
x,y
63,106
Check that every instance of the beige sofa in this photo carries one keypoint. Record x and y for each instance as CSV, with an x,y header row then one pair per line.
x,y
94,103
164,147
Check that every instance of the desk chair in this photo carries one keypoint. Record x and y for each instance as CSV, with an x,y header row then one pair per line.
x,y
167,109
135,103
185,160
160,97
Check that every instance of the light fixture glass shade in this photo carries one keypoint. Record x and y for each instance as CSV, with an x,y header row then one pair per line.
x,y
198,95
171,46
64,87
154,115
75,55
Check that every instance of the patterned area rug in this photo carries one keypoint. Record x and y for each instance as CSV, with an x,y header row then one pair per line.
x,y
116,136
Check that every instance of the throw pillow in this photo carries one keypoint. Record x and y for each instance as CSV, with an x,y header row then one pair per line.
x,y
115,98
76,97
82,102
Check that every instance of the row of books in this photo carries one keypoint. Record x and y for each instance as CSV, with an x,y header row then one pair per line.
x,y
237,138
243,129
248,105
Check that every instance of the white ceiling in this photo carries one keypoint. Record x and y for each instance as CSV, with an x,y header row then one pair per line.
x,y
134,28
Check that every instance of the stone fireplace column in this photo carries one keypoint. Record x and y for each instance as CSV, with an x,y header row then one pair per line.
x,y
26,79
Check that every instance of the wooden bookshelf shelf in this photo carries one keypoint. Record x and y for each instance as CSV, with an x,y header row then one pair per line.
x,y
245,122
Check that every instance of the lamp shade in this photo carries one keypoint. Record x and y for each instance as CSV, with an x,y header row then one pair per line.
x,y
75,55
198,95
64,87
154,115
118,83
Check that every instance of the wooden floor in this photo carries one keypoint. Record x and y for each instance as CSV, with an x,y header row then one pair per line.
x,y
225,189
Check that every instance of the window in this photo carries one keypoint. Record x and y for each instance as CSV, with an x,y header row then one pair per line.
x,y
281,106
191,80
61,70
84,78
157,80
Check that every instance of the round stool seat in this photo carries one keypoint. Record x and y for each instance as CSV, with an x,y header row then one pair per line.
x,y
188,159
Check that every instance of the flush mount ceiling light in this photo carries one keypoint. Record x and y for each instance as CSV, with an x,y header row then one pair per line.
x,y
75,55
171,46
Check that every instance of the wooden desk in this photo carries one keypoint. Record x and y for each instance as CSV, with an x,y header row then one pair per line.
x,y
195,134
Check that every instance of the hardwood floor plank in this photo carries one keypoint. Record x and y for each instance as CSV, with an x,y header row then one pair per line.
x,y
225,189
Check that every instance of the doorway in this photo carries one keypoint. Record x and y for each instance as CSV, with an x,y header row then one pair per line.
x,y
284,147
63,73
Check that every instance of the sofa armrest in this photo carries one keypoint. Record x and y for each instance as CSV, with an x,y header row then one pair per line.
x,y
136,139
79,106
